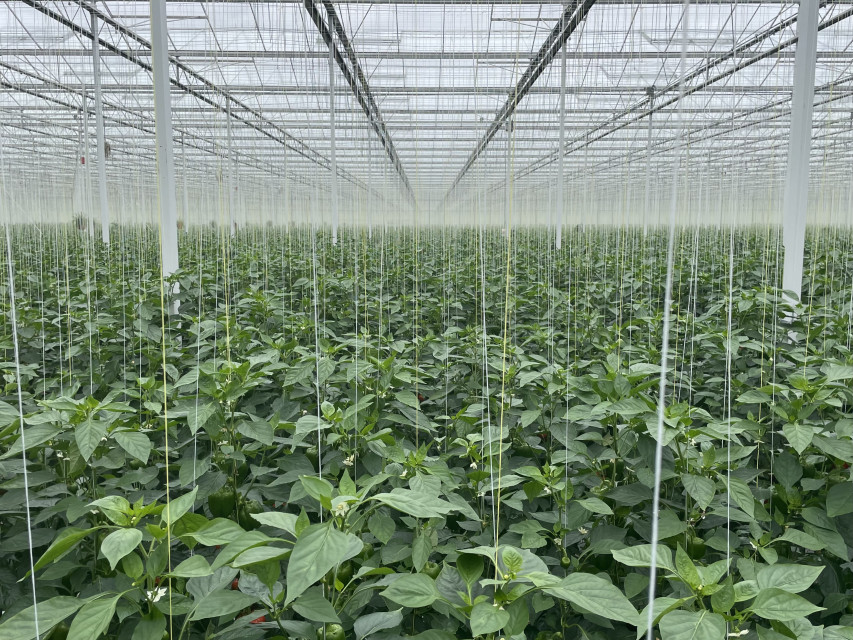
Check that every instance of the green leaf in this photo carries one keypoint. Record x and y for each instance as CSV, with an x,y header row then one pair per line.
x,y
487,618
837,372
222,603
408,398
839,499
66,540
412,590
742,495
692,625
382,526
700,488
150,627
278,520
192,567
792,578
135,443
596,505
801,539
178,507
218,531
259,430
318,548
641,556
198,416
93,619
318,488
88,435
754,396
723,599
776,604
373,622
119,543
596,595
799,435
686,569
787,470
529,416
470,567
21,626
415,504
312,605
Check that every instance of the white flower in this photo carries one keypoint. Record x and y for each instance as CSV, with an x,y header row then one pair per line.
x,y
582,531
154,596
473,465
341,509
547,491
739,633
349,460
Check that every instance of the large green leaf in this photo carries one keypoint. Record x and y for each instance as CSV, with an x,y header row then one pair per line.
x,y
66,540
415,504
487,618
799,435
88,435
373,622
176,508
700,488
119,543
793,578
596,595
22,625
94,618
312,605
641,556
742,495
839,499
222,603
135,443
318,548
412,590
776,604
692,625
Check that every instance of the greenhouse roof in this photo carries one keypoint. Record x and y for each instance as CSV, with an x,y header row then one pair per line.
x,y
435,74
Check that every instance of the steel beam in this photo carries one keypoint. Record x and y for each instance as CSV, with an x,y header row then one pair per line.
x,y
573,15
355,77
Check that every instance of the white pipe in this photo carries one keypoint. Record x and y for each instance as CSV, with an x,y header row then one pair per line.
x,y
799,147
99,128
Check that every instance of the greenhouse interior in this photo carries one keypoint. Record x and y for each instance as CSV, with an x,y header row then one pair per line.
x,y
426,319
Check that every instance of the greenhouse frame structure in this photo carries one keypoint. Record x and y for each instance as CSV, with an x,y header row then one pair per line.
x,y
427,107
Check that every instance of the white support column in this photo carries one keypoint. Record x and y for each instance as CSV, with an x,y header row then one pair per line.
x,y
286,213
334,176
230,167
163,128
508,176
185,212
87,160
99,127
799,147
646,207
561,171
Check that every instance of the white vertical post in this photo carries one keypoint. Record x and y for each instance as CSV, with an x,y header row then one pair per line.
x,y
163,130
561,176
332,142
87,160
646,206
230,166
287,213
99,128
508,177
799,148
186,217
